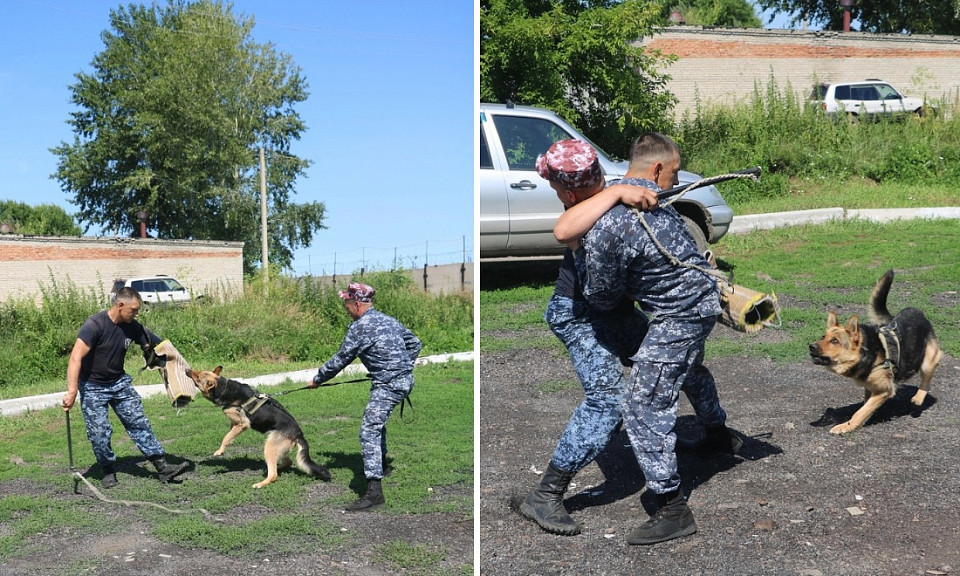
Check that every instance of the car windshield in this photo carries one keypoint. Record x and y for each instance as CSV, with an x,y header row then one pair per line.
x,y
524,138
156,285
887,92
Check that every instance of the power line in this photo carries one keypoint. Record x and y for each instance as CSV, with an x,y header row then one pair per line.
x,y
368,258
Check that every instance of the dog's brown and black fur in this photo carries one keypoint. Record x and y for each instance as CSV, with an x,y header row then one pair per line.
x,y
270,418
856,351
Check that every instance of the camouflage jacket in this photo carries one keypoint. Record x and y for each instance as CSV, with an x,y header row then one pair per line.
x,y
385,346
619,258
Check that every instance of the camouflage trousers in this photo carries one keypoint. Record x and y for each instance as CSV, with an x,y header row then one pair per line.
x,y
669,360
591,341
95,401
373,428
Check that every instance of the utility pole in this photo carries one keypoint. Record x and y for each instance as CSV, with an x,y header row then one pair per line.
x,y
264,248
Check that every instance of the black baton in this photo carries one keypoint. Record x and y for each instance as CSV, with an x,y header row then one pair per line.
x,y
69,440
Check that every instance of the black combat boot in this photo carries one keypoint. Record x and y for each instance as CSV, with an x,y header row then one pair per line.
x,y
672,519
545,504
373,498
722,439
109,477
717,439
167,471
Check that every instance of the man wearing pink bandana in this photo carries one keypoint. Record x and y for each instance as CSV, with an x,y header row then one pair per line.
x,y
388,350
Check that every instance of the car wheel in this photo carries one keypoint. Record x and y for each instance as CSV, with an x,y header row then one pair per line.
x,y
698,236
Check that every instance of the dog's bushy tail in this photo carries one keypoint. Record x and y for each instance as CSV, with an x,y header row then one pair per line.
x,y
307,465
878,299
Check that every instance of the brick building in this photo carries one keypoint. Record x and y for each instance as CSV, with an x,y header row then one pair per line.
x,y
722,66
29,262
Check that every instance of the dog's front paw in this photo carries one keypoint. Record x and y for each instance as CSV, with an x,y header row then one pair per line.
x,y
842,428
219,452
919,397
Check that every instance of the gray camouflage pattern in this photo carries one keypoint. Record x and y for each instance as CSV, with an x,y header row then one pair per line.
x,y
619,259
388,350
373,427
652,390
95,401
595,345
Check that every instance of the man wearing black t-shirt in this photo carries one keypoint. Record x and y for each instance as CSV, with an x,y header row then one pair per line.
x,y
96,371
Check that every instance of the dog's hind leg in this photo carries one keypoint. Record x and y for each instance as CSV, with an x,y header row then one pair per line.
x,y
307,465
931,359
274,449
863,414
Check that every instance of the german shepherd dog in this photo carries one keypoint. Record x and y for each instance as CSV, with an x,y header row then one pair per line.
x,y
879,356
247,409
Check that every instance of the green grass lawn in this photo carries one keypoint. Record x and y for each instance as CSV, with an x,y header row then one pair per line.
x,y
431,448
812,269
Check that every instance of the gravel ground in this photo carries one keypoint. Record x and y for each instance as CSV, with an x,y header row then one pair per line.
x,y
796,501
135,552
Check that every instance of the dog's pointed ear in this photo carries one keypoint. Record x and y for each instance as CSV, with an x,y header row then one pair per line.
x,y
831,319
217,370
853,326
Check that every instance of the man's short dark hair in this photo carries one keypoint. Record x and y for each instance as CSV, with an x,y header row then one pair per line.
x,y
127,294
651,146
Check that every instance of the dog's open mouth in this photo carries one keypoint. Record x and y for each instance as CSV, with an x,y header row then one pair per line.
x,y
820,360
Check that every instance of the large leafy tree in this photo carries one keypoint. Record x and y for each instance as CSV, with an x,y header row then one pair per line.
x,y
579,59
42,220
171,121
729,13
888,16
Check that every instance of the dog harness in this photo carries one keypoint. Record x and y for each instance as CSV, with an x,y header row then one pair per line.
x,y
891,346
254,403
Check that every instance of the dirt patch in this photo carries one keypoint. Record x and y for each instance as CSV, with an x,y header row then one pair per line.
x,y
136,552
796,501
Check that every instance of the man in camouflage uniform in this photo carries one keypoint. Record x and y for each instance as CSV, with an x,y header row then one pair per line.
x,y
95,370
597,344
388,350
624,254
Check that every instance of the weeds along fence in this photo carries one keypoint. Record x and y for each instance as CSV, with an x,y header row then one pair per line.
x,y
296,321
779,130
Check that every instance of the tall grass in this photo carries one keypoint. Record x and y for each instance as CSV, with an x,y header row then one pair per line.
x,y
801,150
299,323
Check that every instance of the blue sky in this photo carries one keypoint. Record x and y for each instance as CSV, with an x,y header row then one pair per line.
x,y
390,116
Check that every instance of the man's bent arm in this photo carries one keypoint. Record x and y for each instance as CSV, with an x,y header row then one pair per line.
x,y
577,220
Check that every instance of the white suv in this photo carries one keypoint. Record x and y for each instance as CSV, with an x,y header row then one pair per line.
x,y
159,289
871,98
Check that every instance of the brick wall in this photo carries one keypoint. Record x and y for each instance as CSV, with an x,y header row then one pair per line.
x,y
94,262
723,65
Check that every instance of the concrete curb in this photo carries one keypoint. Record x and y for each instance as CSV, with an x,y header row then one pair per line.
x,y
16,406
750,222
